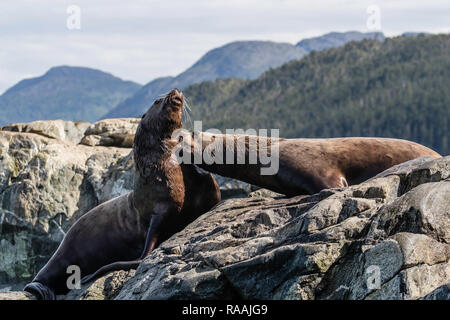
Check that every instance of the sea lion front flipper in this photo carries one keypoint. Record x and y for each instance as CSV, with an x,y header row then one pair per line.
x,y
40,291
150,242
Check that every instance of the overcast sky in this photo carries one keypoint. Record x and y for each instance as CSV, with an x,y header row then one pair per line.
x,y
143,39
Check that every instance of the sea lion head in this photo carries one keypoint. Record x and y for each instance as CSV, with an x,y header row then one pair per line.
x,y
165,115
155,130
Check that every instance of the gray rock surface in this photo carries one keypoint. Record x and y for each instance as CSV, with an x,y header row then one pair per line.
x,y
387,238
104,288
45,185
111,132
48,180
441,293
56,129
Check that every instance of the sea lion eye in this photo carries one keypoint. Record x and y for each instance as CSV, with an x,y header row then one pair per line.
x,y
143,116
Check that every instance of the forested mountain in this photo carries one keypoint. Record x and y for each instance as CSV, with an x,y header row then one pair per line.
x,y
240,59
68,93
396,88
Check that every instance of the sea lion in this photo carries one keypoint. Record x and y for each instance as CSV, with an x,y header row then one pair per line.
x,y
121,232
305,166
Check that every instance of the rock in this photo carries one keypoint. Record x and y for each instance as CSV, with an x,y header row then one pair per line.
x,y
441,293
45,185
387,238
104,288
23,250
17,286
48,181
413,283
55,129
415,172
112,132
264,193
16,295
376,240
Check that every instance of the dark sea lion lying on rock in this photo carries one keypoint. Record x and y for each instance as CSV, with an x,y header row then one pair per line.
x,y
119,233
304,166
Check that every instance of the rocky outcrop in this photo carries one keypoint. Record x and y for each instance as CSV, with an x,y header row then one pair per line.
x,y
48,180
45,185
16,295
441,293
55,129
387,238
111,132
104,288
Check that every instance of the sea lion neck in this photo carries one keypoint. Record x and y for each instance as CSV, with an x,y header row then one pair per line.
x,y
146,161
155,132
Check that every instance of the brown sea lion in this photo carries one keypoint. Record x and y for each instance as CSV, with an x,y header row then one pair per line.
x,y
119,233
305,166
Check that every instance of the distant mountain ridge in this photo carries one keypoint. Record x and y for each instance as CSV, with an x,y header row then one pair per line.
x,y
64,92
240,59
337,39
84,94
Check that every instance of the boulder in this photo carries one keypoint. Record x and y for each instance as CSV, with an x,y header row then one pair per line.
x,y
441,293
55,129
45,185
111,132
103,288
231,188
377,240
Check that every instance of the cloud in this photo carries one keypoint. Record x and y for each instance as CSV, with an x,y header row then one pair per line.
x,y
140,40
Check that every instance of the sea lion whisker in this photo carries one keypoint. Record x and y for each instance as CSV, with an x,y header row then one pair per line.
x,y
164,94
187,118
